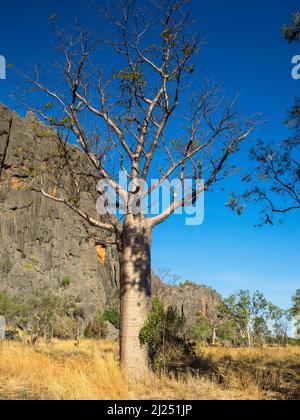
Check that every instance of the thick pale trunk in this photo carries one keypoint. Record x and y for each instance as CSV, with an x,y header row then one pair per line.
x,y
135,295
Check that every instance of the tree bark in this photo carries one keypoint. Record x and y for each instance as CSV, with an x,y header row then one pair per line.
x,y
249,338
214,336
135,294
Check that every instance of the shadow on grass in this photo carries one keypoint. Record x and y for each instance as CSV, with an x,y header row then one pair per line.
x,y
275,379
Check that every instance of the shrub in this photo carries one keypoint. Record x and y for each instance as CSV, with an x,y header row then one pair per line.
x,y
74,200
6,265
66,281
112,315
31,172
40,313
201,330
28,266
42,134
9,307
65,328
97,328
163,332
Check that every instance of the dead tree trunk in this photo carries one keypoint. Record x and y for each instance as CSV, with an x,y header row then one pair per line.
x,y
135,294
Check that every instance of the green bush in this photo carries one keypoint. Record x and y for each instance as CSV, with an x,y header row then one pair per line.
x,y
201,330
28,266
164,333
10,308
152,331
66,282
112,315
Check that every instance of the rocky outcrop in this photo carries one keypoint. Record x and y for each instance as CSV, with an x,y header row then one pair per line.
x,y
189,299
44,246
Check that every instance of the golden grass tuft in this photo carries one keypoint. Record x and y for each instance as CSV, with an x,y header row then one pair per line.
x,y
62,371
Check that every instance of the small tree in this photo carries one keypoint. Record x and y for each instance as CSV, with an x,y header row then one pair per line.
x,y
228,333
261,332
164,333
10,308
138,118
248,314
40,310
201,330
295,311
281,321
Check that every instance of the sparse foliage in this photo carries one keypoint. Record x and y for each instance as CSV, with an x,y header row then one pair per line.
x,y
10,308
291,32
280,321
164,333
248,315
40,314
295,311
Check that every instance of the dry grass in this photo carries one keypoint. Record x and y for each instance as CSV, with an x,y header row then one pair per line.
x,y
61,371
268,373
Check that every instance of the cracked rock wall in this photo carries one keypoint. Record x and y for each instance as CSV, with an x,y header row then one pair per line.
x,y
42,242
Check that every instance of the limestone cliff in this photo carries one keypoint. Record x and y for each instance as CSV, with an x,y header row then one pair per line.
x,y
188,298
43,245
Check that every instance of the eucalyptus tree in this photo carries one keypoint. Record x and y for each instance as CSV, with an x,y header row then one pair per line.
x,y
295,311
248,315
280,321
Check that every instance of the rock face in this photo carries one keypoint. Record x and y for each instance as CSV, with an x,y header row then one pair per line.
x,y
189,299
43,245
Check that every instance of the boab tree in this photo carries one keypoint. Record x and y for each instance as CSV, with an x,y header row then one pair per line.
x,y
135,118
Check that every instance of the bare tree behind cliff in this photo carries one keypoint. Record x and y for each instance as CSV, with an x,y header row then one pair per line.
x,y
139,119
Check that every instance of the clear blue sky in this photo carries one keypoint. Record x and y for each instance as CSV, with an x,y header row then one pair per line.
x,y
246,51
